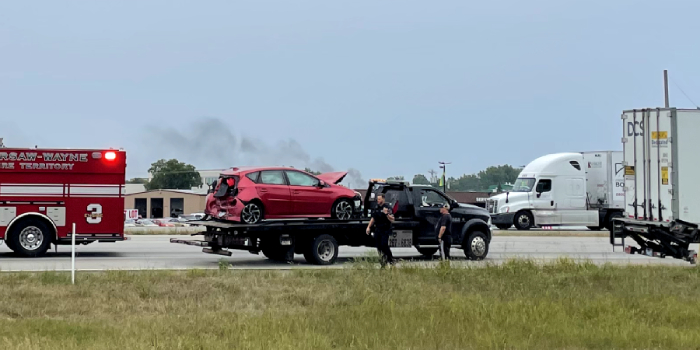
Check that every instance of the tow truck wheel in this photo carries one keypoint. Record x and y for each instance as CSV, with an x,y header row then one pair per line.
x,y
30,238
477,246
278,253
523,220
322,250
428,252
342,210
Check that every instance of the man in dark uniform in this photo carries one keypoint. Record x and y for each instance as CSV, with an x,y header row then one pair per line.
x,y
382,217
444,230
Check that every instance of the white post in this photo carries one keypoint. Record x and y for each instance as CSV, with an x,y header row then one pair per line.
x,y
72,255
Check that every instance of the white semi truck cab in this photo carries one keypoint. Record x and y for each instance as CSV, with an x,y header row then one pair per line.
x,y
563,189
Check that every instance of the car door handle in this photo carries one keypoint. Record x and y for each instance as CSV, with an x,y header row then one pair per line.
x,y
263,190
296,192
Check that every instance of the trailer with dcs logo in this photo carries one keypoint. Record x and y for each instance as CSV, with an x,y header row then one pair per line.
x,y
662,197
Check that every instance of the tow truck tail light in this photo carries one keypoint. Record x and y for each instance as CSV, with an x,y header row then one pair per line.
x,y
110,156
230,182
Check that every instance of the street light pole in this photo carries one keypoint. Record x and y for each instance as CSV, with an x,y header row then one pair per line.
x,y
443,166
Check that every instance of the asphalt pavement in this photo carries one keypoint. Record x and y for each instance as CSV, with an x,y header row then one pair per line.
x,y
156,252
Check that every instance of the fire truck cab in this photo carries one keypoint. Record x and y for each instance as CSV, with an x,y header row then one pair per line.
x,y
43,192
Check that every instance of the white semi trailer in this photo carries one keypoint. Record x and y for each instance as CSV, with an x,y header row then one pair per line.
x,y
563,189
662,199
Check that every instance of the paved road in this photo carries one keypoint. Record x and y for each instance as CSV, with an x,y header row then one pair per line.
x,y
155,252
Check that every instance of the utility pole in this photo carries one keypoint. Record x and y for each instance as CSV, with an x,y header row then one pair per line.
x,y
666,86
443,166
432,175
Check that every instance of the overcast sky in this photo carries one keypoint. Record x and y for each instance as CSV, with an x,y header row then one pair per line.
x,y
386,87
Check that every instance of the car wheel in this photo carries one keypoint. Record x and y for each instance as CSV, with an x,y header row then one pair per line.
x,y
427,252
322,250
252,213
342,210
503,226
477,246
30,238
523,220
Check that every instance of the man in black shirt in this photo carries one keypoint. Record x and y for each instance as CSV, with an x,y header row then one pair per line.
x,y
444,230
382,217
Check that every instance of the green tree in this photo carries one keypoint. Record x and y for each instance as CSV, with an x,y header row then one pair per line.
x,y
420,179
137,180
173,174
308,170
498,175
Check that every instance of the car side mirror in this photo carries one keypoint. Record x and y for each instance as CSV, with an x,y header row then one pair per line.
x,y
321,184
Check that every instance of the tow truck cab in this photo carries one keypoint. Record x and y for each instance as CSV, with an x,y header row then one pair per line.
x,y
470,223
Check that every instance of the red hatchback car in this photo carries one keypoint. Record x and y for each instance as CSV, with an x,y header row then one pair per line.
x,y
249,195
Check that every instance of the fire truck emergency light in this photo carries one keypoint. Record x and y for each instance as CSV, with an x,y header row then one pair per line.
x,y
110,156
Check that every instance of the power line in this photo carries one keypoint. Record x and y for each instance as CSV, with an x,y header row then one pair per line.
x,y
683,92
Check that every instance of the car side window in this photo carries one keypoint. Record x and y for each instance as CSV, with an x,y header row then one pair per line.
x,y
272,177
544,185
253,176
430,198
300,179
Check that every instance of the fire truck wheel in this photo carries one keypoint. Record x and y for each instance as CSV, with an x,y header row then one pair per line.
x,y
30,238
322,250
477,246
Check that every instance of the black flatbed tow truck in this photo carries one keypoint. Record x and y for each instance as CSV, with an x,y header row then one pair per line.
x,y
417,211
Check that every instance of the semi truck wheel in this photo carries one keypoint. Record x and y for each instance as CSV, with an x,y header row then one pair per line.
x,y
30,238
477,246
427,251
523,220
322,250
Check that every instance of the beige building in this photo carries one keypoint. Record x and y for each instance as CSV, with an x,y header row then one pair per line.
x,y
158,204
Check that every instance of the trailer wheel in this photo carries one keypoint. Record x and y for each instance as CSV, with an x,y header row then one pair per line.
x,y
322,250
523,220
428,252
611,217
30,238
477,246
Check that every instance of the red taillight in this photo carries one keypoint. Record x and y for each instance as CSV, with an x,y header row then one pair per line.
x,y
110,156
230,182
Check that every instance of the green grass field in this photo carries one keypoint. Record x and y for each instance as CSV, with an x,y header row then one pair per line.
x,y
518,305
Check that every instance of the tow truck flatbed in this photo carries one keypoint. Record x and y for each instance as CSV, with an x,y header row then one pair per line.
x,y
416,209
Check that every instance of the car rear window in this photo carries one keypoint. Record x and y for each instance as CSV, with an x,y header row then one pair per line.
x,y
253,176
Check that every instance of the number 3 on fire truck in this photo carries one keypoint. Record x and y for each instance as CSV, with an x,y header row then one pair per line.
x,y
94,215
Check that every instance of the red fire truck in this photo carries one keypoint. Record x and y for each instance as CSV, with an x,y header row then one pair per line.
x,y
43,192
